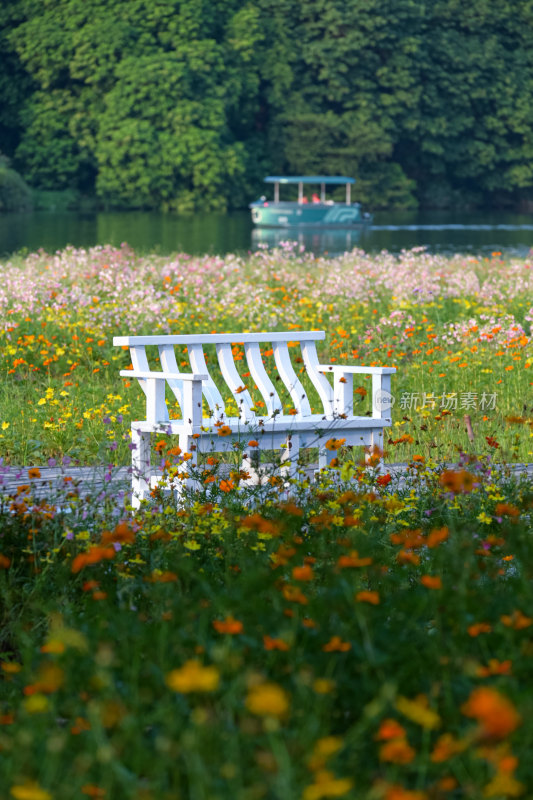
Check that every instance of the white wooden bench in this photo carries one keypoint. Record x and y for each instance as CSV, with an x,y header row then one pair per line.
x,y
265,420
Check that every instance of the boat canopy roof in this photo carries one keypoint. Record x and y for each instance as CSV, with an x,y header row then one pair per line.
x,y
327,179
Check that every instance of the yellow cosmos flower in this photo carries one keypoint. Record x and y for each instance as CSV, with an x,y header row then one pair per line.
x,y
193,677
267,700
418,711
36,704
327,785
29,791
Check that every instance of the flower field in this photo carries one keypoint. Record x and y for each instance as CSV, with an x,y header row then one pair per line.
x,y
353,639
364,635
457,329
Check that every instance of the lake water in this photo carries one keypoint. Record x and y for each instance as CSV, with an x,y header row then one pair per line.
x,y
479,232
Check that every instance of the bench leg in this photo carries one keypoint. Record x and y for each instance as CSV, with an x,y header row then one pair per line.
x,y
187,445
325,457
289,456
374,454
140,466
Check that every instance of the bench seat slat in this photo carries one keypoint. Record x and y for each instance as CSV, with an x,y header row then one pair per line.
x,y
282,424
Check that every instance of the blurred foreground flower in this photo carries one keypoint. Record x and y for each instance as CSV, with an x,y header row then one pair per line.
x,y
495,714
327,785
29,791
267,700
457,481
193,677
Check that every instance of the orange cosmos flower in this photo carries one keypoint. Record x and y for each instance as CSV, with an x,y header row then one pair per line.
x,y
336,645
226,486
294,595
495,667
255,522
397,792
397,751
479,627
50,678
390,729
91,790
253,443
506,510
271,643
431,581
407,557
409,539
224,430
353,560
447,784
122,534
384,480
228,625
291,508
367,597
457,481
496,715
436,536
304,573
4,561
94,555
334,444
516,620
34,472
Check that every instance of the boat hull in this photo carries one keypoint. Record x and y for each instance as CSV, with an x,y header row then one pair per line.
x,y
313,215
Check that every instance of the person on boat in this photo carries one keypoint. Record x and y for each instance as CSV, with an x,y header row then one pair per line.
x,y
315,198
304,199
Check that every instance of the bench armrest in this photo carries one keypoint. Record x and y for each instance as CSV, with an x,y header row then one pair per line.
x,y
153,385
356,370
166,376
382,400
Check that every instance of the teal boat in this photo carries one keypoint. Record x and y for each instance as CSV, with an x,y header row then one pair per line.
x,y
315,211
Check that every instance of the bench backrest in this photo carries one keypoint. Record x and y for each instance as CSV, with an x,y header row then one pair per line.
x,y
226,352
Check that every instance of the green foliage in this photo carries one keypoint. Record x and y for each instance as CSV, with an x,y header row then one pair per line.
x,y
178,104
15,195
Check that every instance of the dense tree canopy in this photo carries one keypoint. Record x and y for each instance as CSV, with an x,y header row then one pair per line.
x,y
178,104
